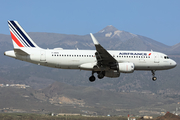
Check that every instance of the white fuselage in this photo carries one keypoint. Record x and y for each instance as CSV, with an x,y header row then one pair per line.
x,y
101,61
85,59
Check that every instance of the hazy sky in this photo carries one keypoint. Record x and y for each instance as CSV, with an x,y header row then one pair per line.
x,y
156,19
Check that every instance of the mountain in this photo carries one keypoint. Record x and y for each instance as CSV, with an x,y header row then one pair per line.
x,y
123,40
40,77
136,86
109,37
175,49
113,33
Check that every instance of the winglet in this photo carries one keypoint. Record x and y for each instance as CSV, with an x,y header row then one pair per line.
x,y
94,39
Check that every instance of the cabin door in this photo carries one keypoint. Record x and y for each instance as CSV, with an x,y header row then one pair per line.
x,y
43,56
156,58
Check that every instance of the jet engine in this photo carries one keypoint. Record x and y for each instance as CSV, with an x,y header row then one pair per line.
x,y
126,67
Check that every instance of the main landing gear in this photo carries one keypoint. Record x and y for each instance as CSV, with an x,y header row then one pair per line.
x,y
92,78
101,75
153,74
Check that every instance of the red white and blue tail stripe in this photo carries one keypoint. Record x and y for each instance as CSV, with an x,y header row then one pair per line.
x,y
19,37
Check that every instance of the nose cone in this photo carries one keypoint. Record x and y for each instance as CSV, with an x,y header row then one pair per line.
x,y
173,63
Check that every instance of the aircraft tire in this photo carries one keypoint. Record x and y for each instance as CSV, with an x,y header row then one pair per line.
x,y
92,79
154,78
100,76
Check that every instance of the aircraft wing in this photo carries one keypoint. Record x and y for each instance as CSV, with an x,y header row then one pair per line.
x,y
104,59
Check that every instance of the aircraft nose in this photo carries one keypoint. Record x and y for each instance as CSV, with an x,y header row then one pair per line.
x,y
173,63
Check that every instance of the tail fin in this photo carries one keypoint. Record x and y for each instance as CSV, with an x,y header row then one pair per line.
x,y
19,37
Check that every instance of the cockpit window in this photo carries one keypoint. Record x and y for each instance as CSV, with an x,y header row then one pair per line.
x,y
166,57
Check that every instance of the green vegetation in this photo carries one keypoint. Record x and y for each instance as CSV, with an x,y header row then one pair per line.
x,y
25,116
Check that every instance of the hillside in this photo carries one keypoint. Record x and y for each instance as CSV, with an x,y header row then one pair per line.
x,y
111,38
22,100
79,91
64,98
168,116
175,49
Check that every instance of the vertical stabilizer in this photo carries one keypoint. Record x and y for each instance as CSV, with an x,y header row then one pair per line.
x,y
19,37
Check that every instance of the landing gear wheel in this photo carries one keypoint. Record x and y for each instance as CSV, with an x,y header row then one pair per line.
x,y
100,76
154,78
92,79
153,74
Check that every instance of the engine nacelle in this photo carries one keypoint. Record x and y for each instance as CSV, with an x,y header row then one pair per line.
x,y
126,67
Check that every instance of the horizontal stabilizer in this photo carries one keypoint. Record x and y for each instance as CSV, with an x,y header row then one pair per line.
x,y
20,52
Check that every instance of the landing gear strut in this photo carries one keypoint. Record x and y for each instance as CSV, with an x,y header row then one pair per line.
x,y
153,74
92,78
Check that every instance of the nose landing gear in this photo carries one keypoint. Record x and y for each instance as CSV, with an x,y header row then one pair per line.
x,y
153,74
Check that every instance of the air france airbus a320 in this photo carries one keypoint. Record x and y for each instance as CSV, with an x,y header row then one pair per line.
x,y
104,62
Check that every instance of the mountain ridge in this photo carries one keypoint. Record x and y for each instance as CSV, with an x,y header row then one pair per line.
x,y
135,84
9,65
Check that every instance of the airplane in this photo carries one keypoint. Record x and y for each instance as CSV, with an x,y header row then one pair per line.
x,y
106,63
